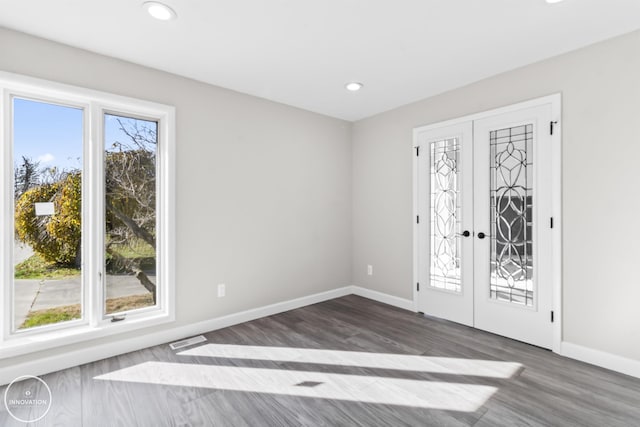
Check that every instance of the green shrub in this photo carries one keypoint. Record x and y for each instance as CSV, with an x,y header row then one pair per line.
x,y
57,237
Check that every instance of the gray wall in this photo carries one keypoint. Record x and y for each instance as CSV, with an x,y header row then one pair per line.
x,y
600,86
263,189
264,201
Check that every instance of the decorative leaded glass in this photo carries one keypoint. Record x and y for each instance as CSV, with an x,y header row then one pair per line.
x,y
445,215
511,215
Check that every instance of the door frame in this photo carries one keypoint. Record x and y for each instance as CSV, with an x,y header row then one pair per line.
x,y
555,101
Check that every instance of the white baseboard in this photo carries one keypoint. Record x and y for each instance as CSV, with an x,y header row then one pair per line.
x,y
584,354
405,304
79,357
603,359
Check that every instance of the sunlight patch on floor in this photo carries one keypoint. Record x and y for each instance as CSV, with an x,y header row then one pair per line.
x,y
440,365
356,388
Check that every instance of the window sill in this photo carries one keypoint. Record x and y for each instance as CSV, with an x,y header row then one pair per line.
x,y
20,345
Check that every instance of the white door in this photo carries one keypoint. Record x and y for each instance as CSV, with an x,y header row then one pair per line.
x,y
483,234
512,209
445,221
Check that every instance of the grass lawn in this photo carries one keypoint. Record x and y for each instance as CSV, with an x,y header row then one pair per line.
x,y
135,249
71,312
52,315
117,305
35,267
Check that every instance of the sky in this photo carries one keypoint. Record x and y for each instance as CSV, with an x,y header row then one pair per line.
x,y
47,133
52,134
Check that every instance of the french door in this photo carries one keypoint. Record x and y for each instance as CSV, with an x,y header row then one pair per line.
x,y
484,245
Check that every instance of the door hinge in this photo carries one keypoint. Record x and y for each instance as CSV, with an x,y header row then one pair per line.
x,y
551,316
551,222
418,287
552,126
417,219
418,151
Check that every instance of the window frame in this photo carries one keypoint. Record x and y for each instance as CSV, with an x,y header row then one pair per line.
x,y
94,322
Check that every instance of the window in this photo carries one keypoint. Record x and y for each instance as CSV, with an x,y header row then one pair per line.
x,y
47,220
130,213
87,194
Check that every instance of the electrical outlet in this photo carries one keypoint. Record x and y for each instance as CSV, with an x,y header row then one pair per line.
x,y
370,270
222,290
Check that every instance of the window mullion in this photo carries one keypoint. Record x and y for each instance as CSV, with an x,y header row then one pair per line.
x,y
94,213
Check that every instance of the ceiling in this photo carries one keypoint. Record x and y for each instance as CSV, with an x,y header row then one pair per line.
x,y
302,52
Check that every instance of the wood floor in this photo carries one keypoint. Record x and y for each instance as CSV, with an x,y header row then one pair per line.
x,y
381,366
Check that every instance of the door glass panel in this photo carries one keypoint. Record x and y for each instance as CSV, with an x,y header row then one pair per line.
x,y
47,169
511,215
130,213
445,215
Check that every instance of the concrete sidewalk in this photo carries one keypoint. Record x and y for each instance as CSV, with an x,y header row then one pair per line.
x,y
21,252
33,294
24,296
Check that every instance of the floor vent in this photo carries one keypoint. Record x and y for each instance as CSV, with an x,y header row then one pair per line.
x,y
186,343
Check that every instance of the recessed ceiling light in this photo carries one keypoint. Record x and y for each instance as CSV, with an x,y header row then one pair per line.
x,y
353,86
554,1
159,11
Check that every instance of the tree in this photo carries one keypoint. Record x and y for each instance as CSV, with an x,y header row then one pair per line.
x,y
130,202
26,176
130,195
